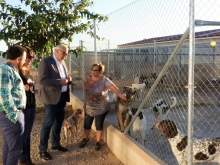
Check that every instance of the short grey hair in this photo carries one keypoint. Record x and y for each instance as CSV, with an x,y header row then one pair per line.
x,y
59,46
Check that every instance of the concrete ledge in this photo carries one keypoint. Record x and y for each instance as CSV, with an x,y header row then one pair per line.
x,y
128,151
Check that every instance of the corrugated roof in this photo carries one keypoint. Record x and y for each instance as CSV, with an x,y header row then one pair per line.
x,y
202,34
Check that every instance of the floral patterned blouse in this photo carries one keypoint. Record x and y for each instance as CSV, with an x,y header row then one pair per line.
x,y
96,95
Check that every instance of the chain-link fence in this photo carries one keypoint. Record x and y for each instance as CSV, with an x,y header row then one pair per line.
x,y
161,61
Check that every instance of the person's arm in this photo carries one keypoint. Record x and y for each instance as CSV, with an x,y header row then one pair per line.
x,y
24,79
66,81
6,101
114,89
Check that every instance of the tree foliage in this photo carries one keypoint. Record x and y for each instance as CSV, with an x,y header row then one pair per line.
x,y
47,23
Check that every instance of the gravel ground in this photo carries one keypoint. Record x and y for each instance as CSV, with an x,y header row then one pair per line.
x,y
75,155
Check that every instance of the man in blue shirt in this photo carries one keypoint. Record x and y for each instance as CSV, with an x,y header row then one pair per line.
x,y
12,101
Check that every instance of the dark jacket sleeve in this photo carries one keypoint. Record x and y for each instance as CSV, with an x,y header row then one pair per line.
x,y
49,73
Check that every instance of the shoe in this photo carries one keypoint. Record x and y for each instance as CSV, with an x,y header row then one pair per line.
x,y
60,148
45,156
83,143
97,146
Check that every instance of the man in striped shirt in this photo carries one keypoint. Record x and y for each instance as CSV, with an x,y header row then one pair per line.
x,y
12,101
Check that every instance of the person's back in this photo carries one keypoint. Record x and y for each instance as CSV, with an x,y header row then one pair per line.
x,y
12,101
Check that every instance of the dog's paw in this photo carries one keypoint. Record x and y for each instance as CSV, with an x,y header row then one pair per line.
x,y
122,130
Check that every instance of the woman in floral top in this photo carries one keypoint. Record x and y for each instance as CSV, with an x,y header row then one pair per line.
x,y
97,102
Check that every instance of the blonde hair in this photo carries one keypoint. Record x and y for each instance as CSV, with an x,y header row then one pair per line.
x,y
30,53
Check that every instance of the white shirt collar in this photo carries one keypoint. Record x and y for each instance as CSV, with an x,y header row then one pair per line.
x,y
57,62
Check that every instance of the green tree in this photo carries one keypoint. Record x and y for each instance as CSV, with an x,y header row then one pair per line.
x,y
47,23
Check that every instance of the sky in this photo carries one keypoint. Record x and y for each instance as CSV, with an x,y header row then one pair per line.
x,y
145,19
134,20
101,6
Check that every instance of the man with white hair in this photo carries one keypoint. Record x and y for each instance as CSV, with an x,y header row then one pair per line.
x,y
54,93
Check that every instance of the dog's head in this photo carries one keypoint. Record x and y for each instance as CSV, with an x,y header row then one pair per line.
x,y
130,92
73,118
159,102
79,111
66,124
157,107
168,127
161,109
133,111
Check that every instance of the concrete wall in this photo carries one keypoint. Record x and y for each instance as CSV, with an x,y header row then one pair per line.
x,y
128,151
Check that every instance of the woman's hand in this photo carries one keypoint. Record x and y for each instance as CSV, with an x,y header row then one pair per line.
x,y
29,81
114,89
122,96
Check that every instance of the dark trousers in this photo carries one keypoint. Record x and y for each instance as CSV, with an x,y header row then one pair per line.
x,y
53,118
99,121
29,116
12,138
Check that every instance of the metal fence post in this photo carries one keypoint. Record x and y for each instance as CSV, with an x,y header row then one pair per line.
x,y
83,70
191,82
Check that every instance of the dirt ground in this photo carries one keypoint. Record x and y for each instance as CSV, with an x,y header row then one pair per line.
x,y
75,155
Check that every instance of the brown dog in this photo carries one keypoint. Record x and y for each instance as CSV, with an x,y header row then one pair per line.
x,y
121,106
71,122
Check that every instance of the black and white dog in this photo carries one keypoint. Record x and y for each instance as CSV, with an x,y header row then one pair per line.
x,y
139,125
204,150
161,109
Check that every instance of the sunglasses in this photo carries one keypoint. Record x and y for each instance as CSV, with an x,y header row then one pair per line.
x,y
30,57
95,70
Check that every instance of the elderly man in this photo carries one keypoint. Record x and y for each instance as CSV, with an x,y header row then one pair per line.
x,y
54,93
12,102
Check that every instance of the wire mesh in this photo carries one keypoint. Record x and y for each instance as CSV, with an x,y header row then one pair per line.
x,y
142,36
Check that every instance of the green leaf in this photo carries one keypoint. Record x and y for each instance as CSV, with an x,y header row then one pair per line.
x,y
48,23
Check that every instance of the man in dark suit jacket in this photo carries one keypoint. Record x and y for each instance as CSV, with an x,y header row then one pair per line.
x,y
54,93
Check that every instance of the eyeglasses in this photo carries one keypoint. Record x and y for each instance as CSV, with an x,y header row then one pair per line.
x,y
64,53
95,70
30,57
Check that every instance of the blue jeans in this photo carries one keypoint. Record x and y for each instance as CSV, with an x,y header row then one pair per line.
x,y
53,118
12,138
29,116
